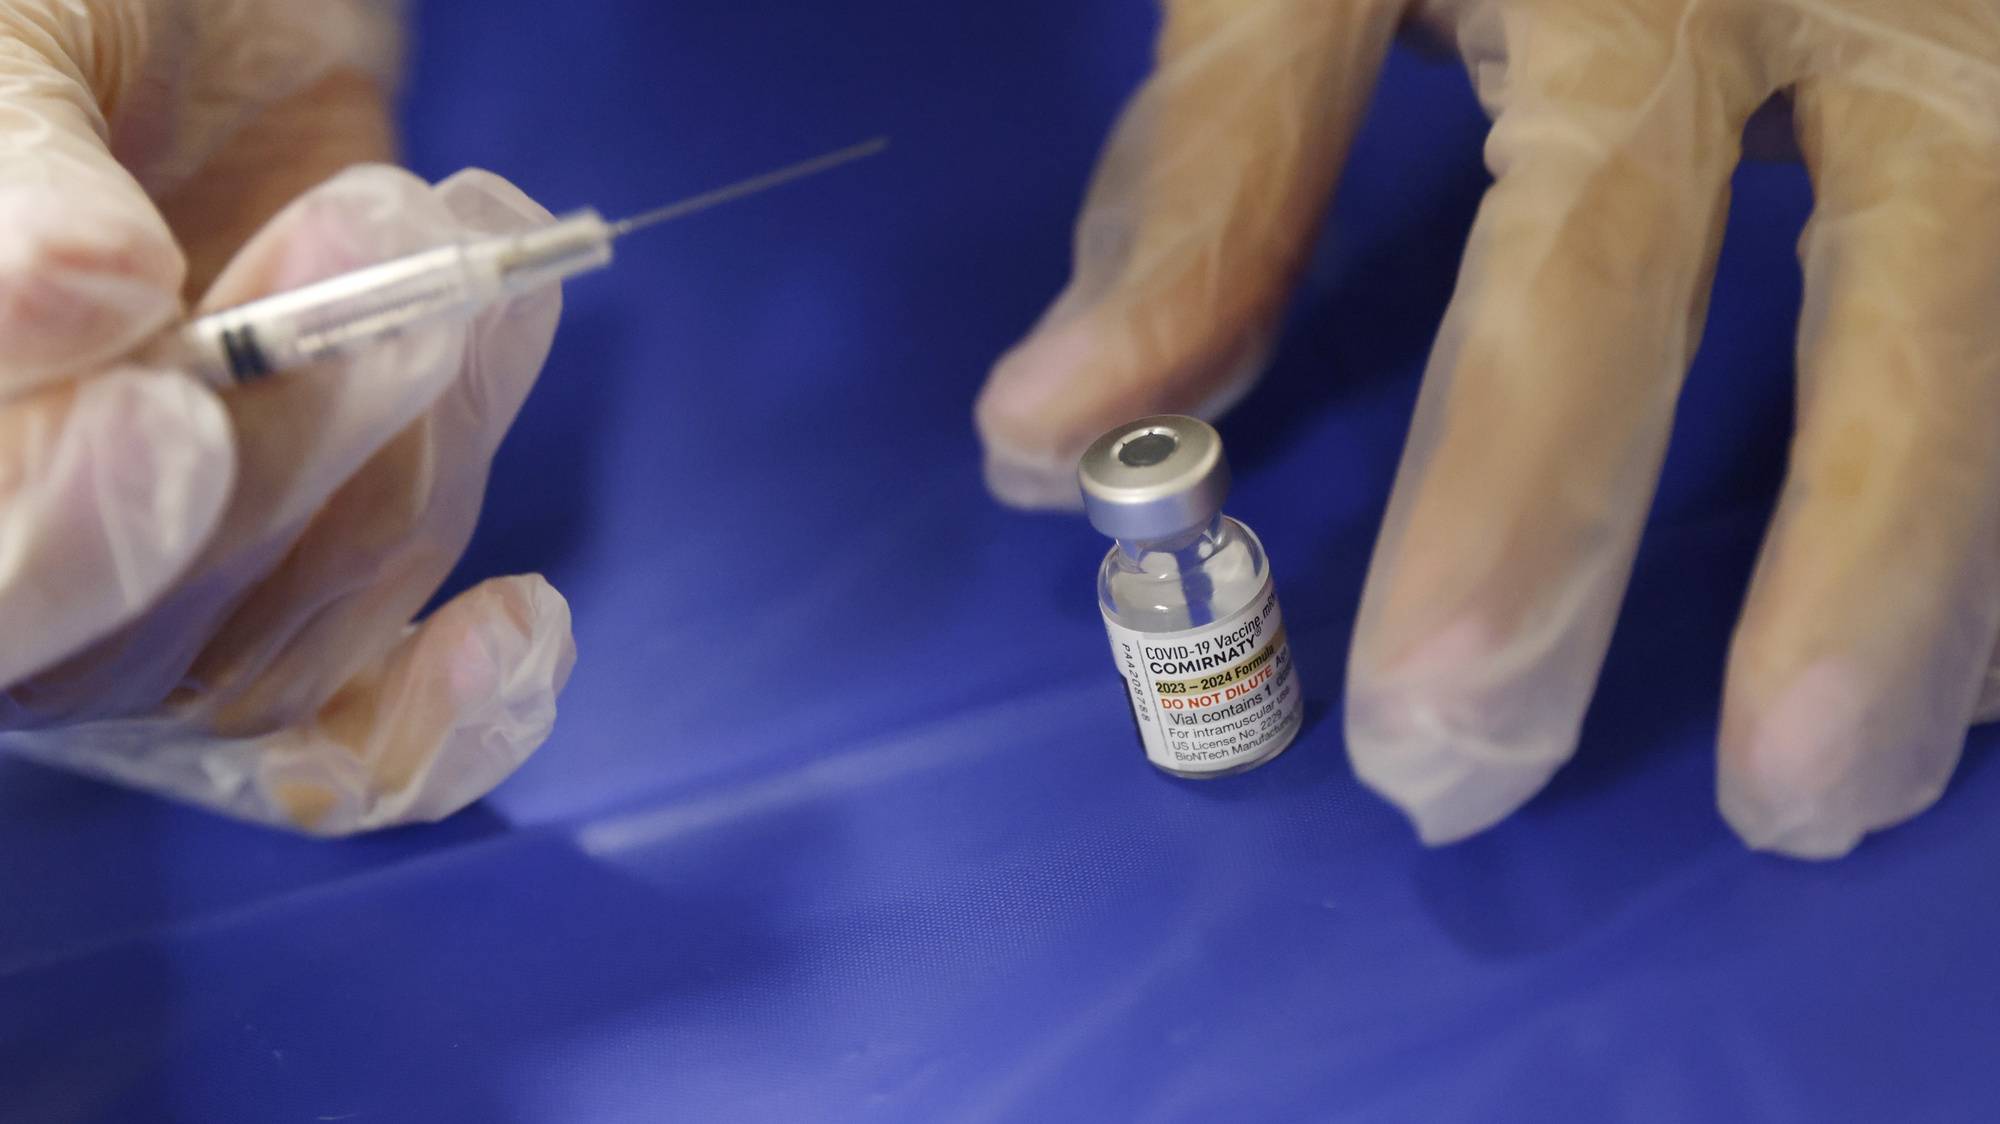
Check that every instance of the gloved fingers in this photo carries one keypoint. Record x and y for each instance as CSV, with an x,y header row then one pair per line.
x,y
382,544
1545,409
88,269
1872,618
1203,206
438,720
445,716
107,489
416,727
299,436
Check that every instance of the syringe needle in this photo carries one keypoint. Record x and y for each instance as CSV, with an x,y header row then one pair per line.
x,y
342,314
751,186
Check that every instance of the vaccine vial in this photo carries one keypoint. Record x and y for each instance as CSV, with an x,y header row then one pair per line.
x,y
1188,601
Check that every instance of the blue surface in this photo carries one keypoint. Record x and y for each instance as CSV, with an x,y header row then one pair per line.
x,y
843,819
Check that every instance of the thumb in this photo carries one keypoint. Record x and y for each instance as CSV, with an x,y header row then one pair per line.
x,y
105,101
88,268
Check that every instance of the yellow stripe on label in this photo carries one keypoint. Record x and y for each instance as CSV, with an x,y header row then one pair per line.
x,y
1216,680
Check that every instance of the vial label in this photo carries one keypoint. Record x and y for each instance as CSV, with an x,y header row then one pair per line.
x,y
1213,698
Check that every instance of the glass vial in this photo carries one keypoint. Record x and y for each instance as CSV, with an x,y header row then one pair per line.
x,y
1188,601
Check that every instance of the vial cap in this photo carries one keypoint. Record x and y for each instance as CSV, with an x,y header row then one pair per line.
x,y
1154,478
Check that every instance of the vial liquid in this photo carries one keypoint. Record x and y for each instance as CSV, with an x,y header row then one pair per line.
x,y
1188,601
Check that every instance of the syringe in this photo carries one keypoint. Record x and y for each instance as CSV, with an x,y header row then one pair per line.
x,y
342,314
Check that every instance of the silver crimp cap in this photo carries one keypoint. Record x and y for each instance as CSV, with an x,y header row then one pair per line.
x,y
1154,478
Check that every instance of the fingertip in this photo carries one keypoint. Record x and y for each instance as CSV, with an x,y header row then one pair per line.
x,y
514,339
1447,732
1022,391
1044,402
503,673
1079,374
517,651
1810,775
82,282
1799,833
499,654
1451,778
1030,484
1030,453
485,203
451,712
489,203
505,346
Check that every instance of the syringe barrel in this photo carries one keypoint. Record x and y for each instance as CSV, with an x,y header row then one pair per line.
x,y
338,315
342,314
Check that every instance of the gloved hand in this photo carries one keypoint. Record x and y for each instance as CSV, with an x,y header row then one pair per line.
x,y
209,595
1865,647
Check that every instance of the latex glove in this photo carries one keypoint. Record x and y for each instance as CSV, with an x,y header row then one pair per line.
x,y
1864,649
208,595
